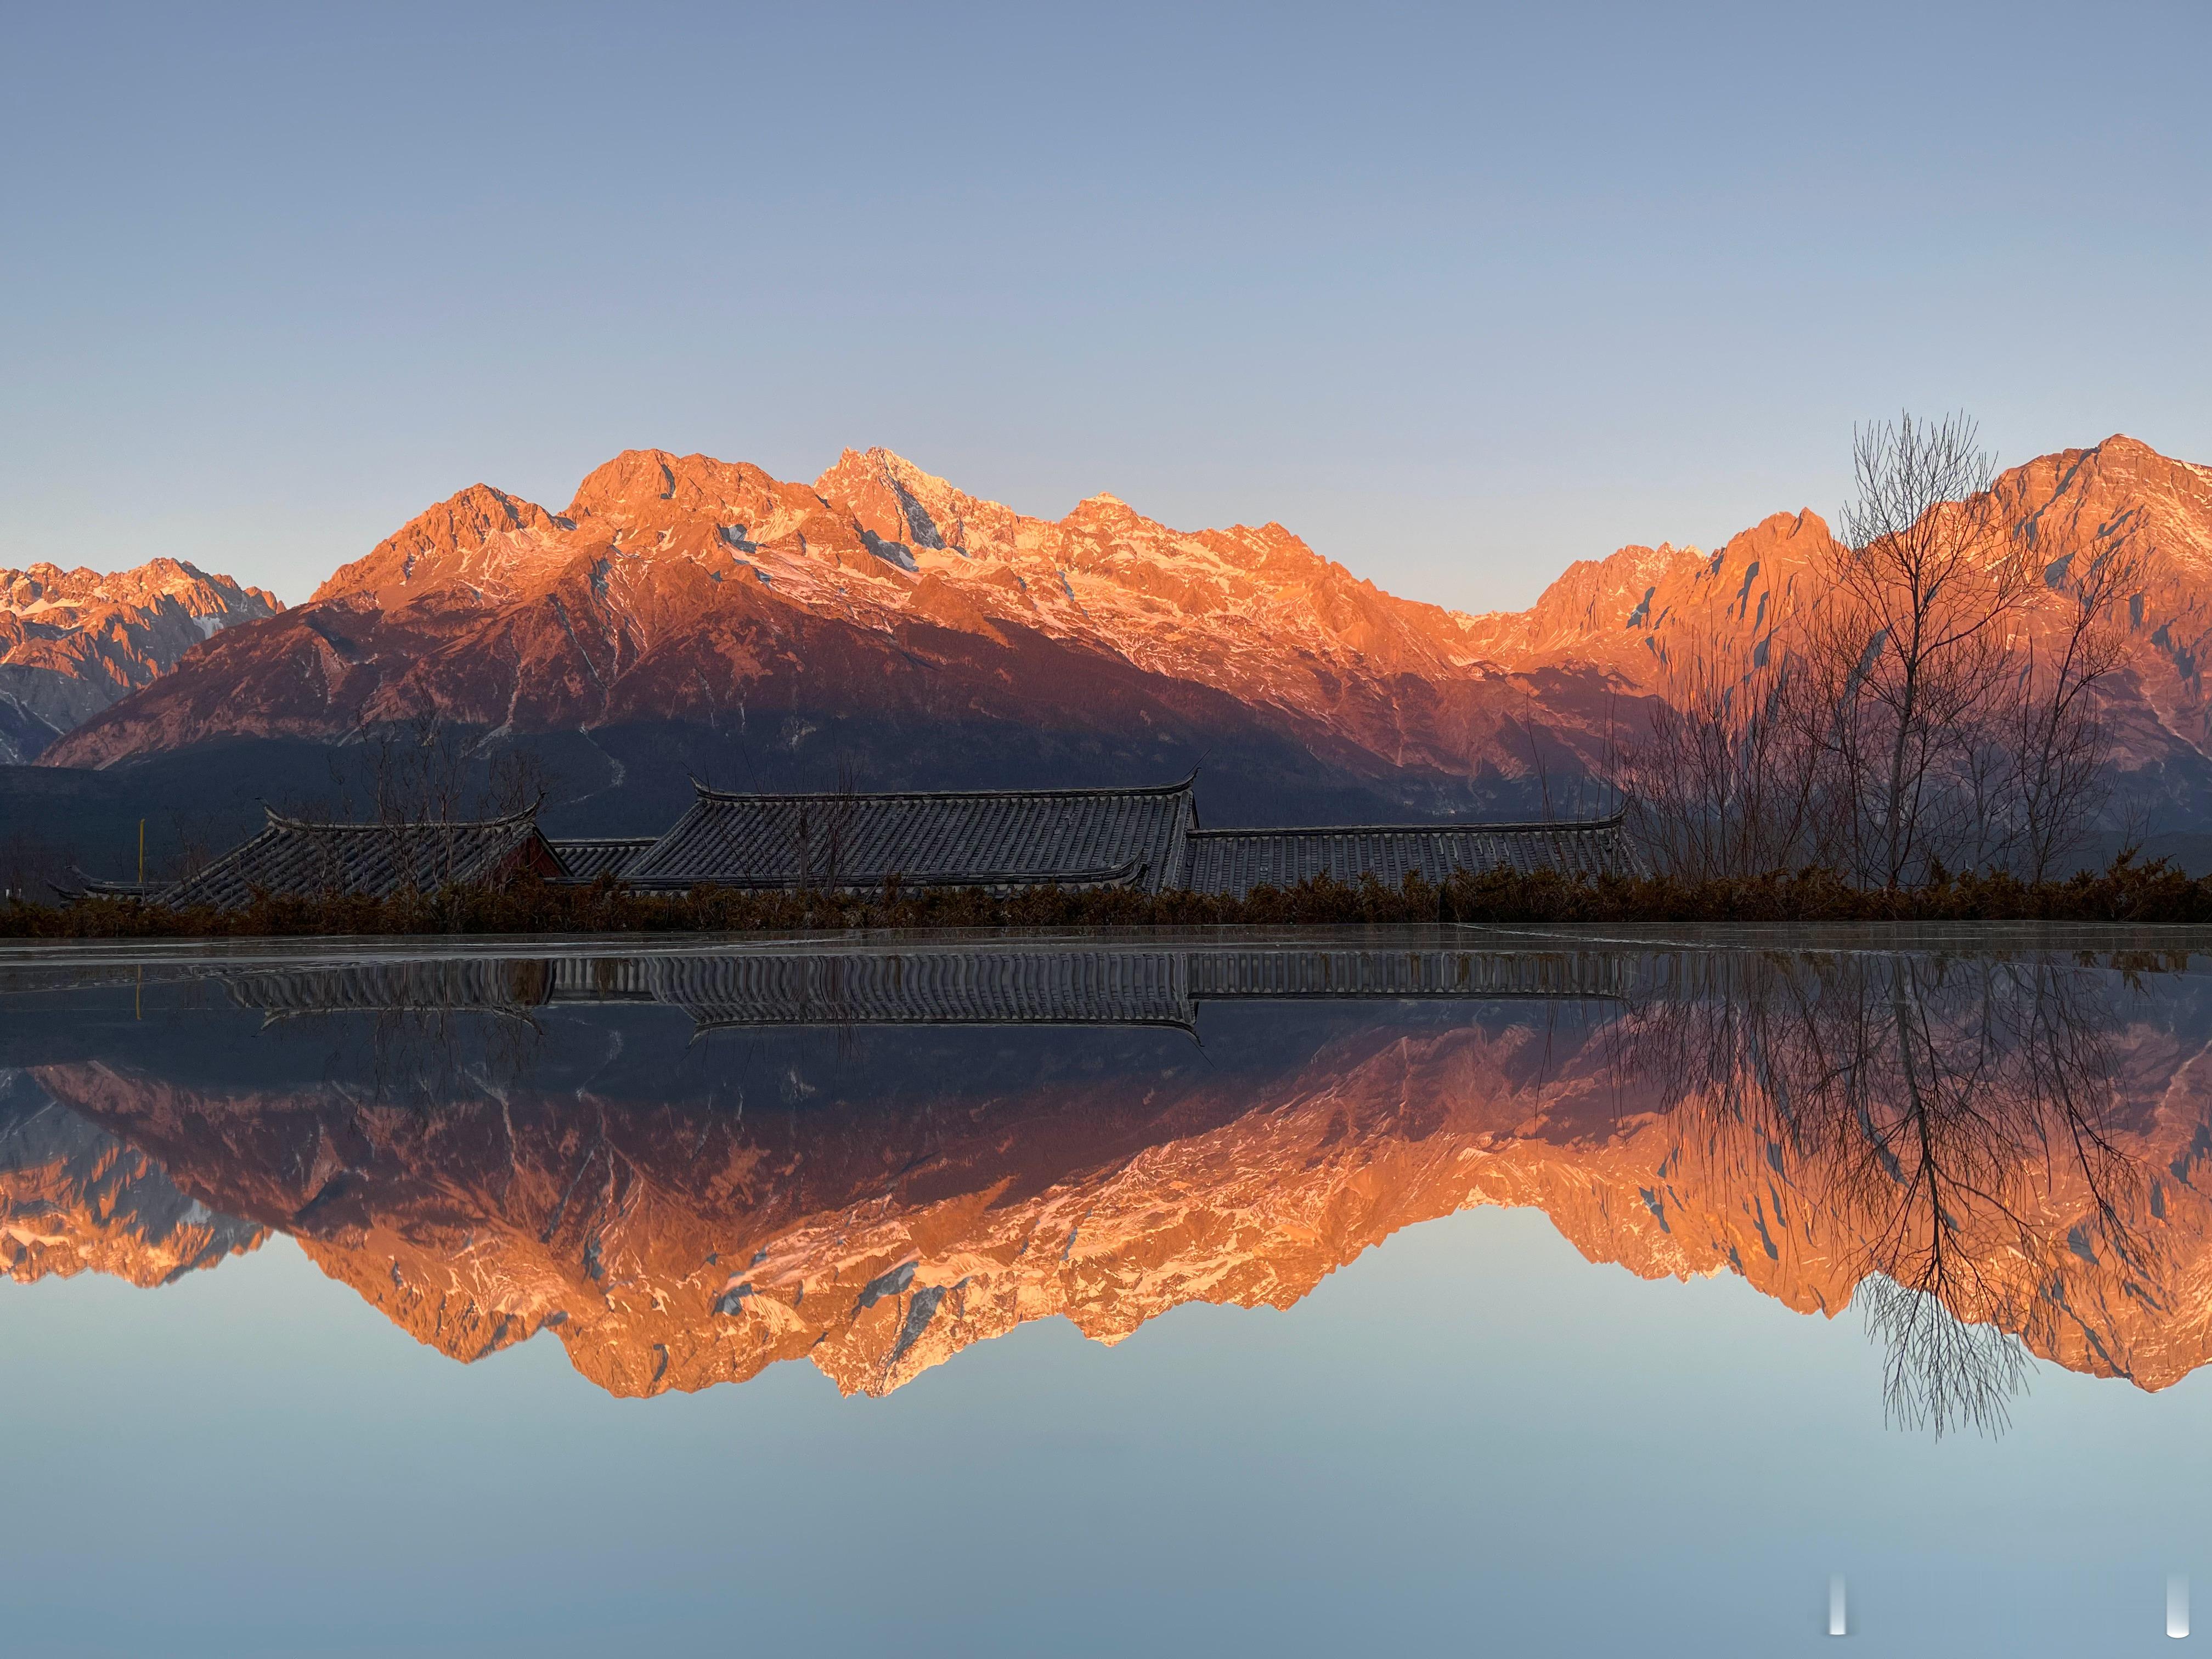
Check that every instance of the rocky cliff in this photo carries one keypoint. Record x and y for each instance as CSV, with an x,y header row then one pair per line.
x,y
72,643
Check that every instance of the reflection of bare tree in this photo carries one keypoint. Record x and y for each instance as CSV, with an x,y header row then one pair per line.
x,y
426,1058
1952,1118
1940,1372
419,1034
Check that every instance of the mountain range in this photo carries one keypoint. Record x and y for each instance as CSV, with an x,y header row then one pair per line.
x,y
686,615
73,642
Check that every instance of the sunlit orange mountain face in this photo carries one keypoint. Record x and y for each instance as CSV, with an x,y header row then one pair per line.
x,y
685,614
73,642
74,1198
689,1167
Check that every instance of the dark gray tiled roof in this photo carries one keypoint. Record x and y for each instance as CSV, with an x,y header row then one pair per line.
x,y
1237,861
973,838
601,855
291,856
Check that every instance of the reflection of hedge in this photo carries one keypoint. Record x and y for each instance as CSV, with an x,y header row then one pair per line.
x,y
2126,891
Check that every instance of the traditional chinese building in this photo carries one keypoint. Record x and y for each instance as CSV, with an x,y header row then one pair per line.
x,y
296,856
1149,839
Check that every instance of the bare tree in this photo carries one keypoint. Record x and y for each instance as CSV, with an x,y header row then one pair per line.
x,y
427,777
194,843
1537,769
2054,736
515,780
1726,780
416,769
1912,634
837,820
820,831
1929,699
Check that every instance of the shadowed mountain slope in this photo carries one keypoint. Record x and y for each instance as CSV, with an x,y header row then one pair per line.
x,y
687,614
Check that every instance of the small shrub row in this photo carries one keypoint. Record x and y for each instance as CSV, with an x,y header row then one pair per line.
x,y
2124,891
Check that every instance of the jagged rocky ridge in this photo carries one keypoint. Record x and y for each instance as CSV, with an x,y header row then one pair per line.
x,y
73,642
686,613
683,612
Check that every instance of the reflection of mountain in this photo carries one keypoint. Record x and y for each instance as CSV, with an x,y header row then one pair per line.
x,y
2018,1139
72,1196
1119,982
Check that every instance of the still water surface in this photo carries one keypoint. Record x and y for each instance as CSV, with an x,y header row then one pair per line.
x,y
1442,1291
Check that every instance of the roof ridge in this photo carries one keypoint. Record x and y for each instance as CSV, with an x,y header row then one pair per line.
x,y
1613,821
1040,878
1092,791
278,819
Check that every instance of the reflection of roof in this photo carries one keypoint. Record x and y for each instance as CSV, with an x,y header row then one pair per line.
x,y
1137,986
971,838
1237,861
292,856
600,855
1323,974
487,983
1053,987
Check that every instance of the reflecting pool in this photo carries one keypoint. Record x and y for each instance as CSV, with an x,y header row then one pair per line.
x,y
1444,1289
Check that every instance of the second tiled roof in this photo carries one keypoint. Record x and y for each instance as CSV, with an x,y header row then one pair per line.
x,y
1076,837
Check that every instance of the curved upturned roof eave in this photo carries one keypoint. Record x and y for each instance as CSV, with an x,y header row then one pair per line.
x,y
1554,826
527,814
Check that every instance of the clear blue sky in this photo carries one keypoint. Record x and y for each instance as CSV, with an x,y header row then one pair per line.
x,y
1457,294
